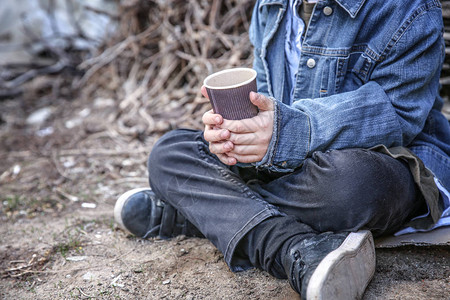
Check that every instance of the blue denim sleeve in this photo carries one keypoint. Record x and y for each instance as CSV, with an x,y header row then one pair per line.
x,y
389,109
256,36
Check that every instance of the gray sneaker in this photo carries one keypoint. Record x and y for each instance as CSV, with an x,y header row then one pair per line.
x,y
143,214
331,266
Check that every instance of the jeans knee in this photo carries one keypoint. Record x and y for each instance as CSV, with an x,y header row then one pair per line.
x,y
355,171
170,154
168,146
360,184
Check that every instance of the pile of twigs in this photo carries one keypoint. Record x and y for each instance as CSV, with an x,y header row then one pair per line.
x,y
155,65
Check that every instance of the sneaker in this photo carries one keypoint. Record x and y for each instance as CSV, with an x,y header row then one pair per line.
x,y
331,266
141,213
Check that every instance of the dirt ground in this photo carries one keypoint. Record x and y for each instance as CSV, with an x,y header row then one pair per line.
x,y
59,179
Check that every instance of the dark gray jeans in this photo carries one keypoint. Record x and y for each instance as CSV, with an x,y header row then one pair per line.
x,y
337,190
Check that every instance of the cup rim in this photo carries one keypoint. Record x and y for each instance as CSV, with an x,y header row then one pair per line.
x,y
229,71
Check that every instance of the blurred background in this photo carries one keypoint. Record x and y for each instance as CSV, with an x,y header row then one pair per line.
x,y
149,57
80,78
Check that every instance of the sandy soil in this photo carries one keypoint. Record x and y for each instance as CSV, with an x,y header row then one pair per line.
x,y
58,185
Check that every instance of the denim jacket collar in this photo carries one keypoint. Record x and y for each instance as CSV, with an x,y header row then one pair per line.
x,y
350,6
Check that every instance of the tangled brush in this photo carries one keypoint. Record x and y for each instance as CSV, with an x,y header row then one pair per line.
x,y
155,65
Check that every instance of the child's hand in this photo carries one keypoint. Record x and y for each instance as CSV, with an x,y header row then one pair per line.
x,y
245,140
217,137
250,138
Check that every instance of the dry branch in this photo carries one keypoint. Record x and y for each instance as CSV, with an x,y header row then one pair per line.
x,y
161,54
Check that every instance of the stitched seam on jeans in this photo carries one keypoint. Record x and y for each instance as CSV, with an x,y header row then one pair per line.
x,y
268,209
244,189
224,172
267,213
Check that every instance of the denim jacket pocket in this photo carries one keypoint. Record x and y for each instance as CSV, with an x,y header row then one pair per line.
x,y
333,73
327,72
362,68
341,70
335,70
355,69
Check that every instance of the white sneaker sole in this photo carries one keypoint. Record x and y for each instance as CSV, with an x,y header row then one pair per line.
x,y
121,201
345,272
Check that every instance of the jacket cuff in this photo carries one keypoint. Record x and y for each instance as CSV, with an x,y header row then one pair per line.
x,y
290,142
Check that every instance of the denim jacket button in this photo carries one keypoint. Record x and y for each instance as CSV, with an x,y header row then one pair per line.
x,y
327,10
311,63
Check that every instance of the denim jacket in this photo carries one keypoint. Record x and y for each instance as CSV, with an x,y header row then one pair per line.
x,y
368,75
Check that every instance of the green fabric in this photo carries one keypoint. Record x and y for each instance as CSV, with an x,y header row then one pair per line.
x,y
424,179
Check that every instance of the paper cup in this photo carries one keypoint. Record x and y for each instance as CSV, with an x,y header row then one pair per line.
x,y
229,93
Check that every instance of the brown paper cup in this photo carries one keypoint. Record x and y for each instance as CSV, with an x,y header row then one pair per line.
x,y
229,93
